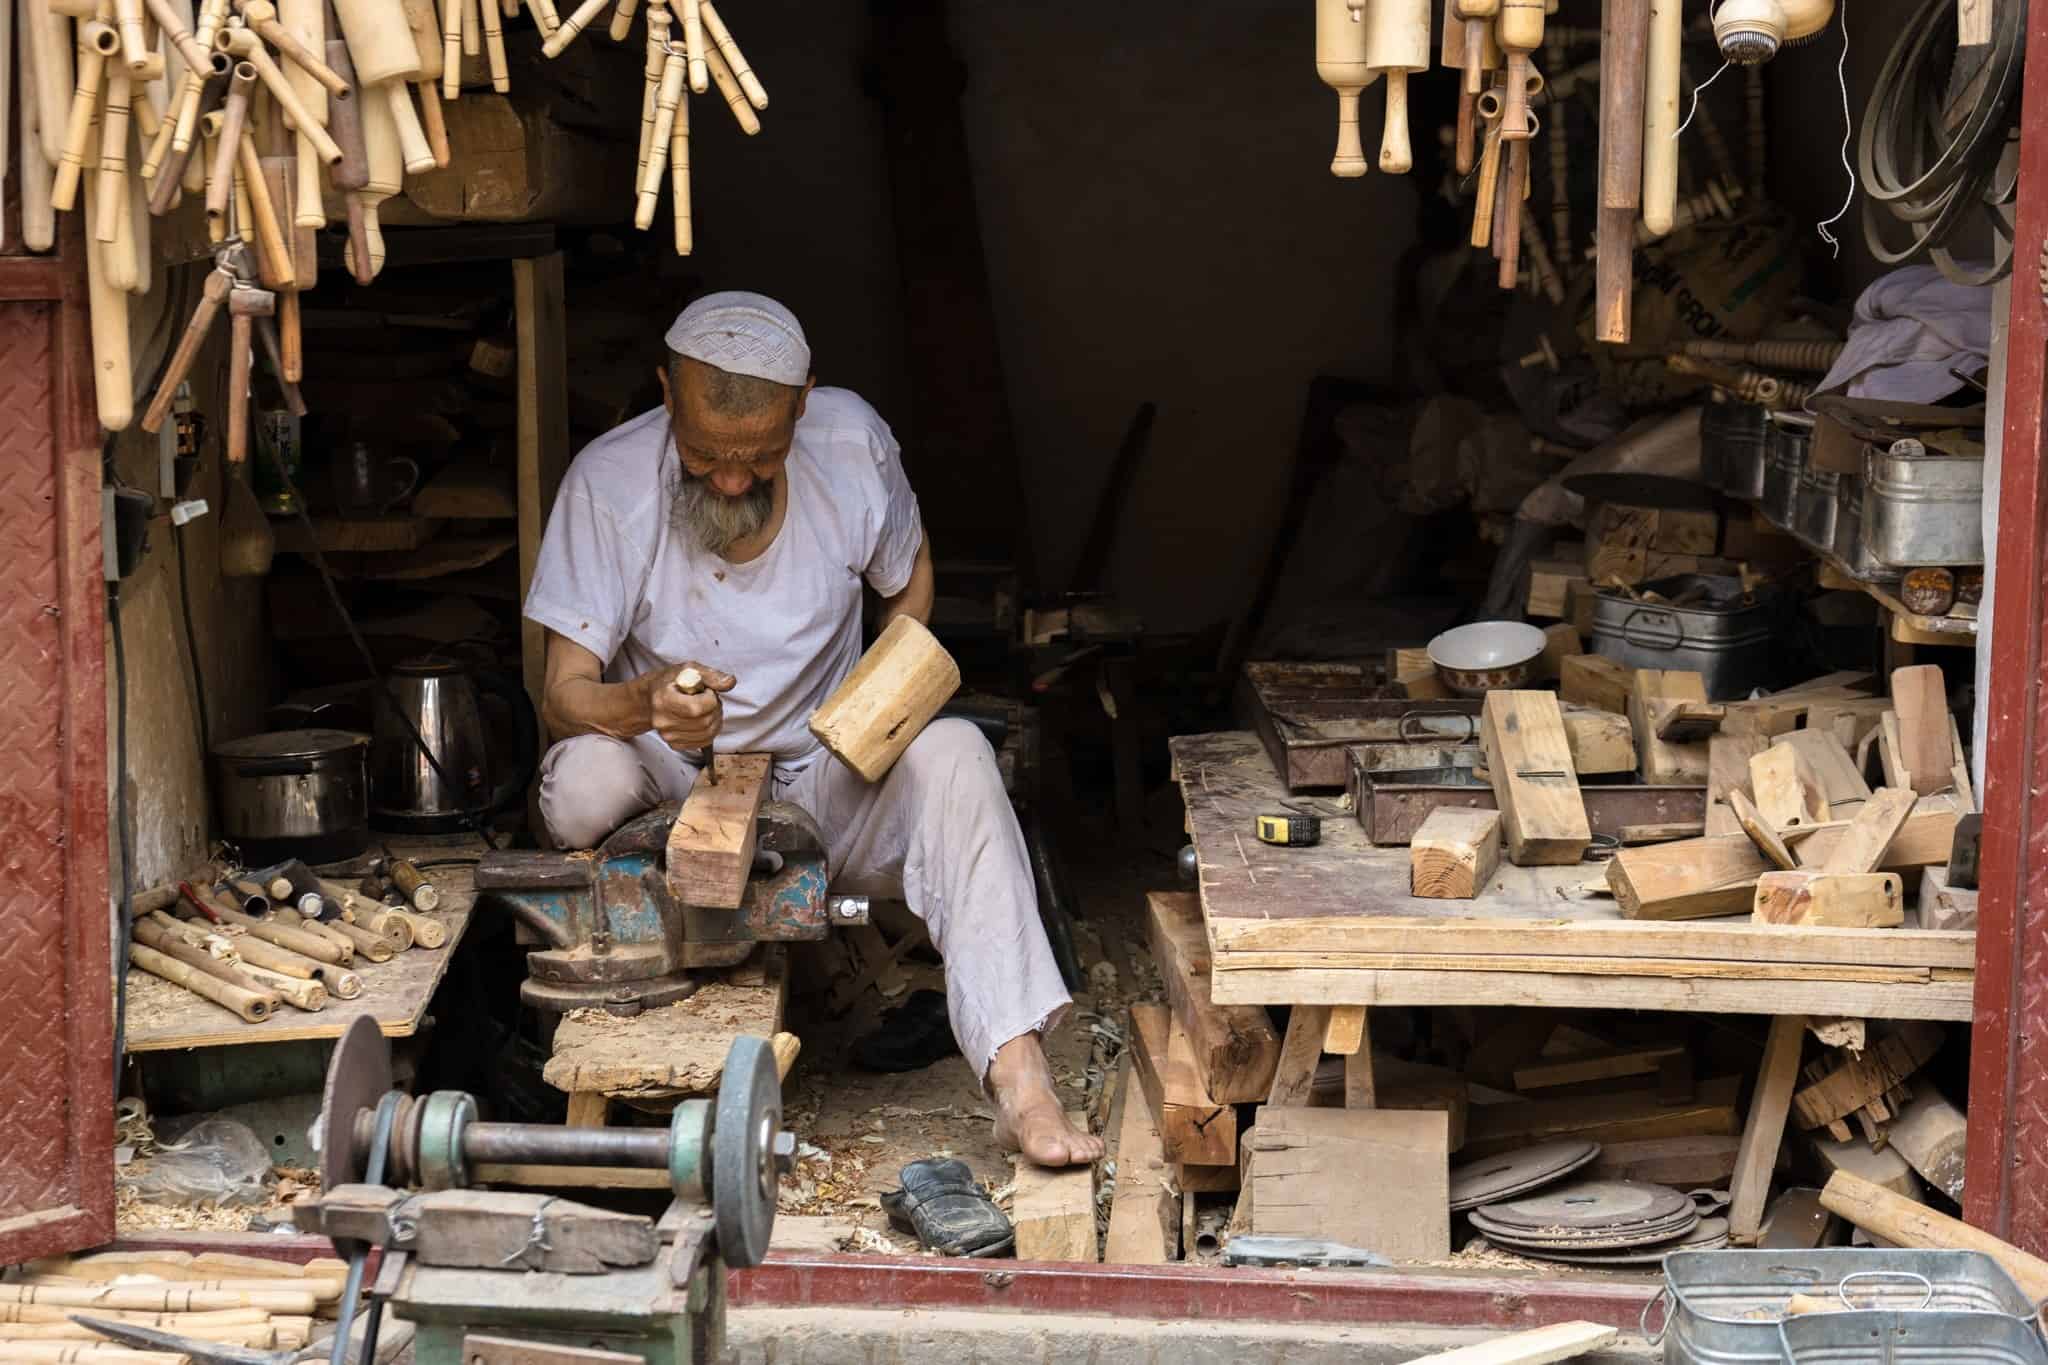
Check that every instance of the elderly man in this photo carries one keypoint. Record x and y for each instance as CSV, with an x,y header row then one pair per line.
x,y
731,531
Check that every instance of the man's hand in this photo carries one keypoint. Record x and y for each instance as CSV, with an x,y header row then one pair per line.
x,y
687,722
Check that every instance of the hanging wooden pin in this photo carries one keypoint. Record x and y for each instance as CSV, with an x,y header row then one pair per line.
x,y
1341,62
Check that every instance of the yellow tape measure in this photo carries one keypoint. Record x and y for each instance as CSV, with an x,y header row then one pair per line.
x,y
1289,831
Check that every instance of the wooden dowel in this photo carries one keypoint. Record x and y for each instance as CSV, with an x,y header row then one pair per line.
x,y
112,200
136,49
434,122
273,258
494,46
166,1298
297,940
417,153
250,1006
262,16
48,52
170,1322
112,361
73,1353
1624,38
427,932
472,28
1509,234
197,58
451,48
240,336
679,178
291,357
545,18
722,77
622,20
245,46
665,101
1660,115
220,177
173,945
96,42
757,95
581,18
345,122
1489,173
307,208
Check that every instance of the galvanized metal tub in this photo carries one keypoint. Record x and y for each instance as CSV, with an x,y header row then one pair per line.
x,y
1724,640
1732,447
1910,1338
1849,545
1813,515
1923,510
1786,450
1723,1307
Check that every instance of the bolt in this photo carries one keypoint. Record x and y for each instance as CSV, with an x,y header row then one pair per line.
x,y
601,942
785,1152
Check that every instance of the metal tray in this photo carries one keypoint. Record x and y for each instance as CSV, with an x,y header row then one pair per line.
x,y
1732,447
1813,513
1906,1337
1786,450
1727,642
1391,805
1849,545
1307,714
1923,510
1723,1307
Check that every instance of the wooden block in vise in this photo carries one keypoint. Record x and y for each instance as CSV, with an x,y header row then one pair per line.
x,y
711,844
1529,760
891,695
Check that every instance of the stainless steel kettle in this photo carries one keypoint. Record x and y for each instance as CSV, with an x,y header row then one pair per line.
x,y
440,697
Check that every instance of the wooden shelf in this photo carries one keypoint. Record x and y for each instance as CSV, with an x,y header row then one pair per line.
x,y
1908,627
344,535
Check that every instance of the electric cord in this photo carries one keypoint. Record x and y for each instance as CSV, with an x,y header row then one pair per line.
x,y
124,924
192,645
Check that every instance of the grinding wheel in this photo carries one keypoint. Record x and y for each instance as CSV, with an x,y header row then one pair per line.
x,y
358,1075
743,1173
1491,1179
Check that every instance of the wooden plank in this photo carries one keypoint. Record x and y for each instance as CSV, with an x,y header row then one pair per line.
x,y
1880,1212
1053,1208
1861,846
1859,1079
1727,771
1361,1090
1530,763
1886,1169
711,844
1691,879
1306,1178
1144,1214
1788,791
1890,752
674,1049
1657,691
1597,681
1344,1033
539,311
1925,839
1850,900
1752,823
1454,855
1943,906
1933,1136
1688,1163
1236,1047
1690,722
1669,832
1300,1053
1451,1095
1605,1065
1540,1346
1675,968
1920,697
1632,1116
1831,763
1601,742
1764,1132
1191,1124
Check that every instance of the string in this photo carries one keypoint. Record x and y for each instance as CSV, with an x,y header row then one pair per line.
x,y
1841,80
1696,100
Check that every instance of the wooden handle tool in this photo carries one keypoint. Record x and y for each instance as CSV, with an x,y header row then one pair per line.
x,y
112,198
96,42
451,49
1624,37
1451,56
1520,31
1508,235
245,46
729,87
273,257
666,100
416,154
297,940
414,885
310,996
136,48
472,28
197,57
679,177
252,1007
1396,43
263,17
1482,50
240,336
345,122
1660,116
1489,170
650,80
172,943
721,36
1342,65
220,177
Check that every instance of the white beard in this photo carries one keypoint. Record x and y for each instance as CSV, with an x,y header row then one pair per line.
x,y
714,520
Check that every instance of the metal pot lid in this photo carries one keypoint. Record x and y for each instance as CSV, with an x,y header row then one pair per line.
x,y
1590,1204
291,744
1493,1178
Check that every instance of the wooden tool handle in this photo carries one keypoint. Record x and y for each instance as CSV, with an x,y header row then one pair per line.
x,y
1467,145
1509,233
1514,121
112,365
373,946
263,18
666,100
729,87
253,1008
1396,158
345,123
494,46
693,46
273,257
95,42
304,995
110,202
281,363
435,122
1660,117
220,177
180,33
679,178
417,153
378,919
1349,161
246,46
172,944
304,944
1489,174
451,49
584,15
427,932
721,37
240,336
136,49
413,885
213,293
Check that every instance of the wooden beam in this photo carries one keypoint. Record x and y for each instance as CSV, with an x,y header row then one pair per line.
x,y
1192,1125
1606,1065
1687,1162
1236,1046
1144,1215
539,310
1691,879
1053,1209
1920,696
1601,742
1895,1218
1454,854
1361,1090
1307,1173
711,844
1632,1116
1764,1133
1530,763
1540,1346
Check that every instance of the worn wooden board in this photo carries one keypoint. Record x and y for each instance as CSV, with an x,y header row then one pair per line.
x,y
1656,692
674,1049
1306,1178
1831,763
1925,839
1601,742
1529,761
1920,697
1858,900
1144,1215
1631,1116
162,1017
1236,1047
1301,1051
1053,1210
1728,771
1788,791
711,844
1604,1065
1692,879
1687,1163
1192,1125
1538,1346
1764,1131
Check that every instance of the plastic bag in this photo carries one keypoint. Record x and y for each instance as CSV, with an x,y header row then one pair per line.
x,y
219,1162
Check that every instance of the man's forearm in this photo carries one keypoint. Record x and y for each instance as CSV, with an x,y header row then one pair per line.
x,y
586,706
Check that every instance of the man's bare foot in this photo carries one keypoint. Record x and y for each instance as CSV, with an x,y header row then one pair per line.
x,y
1028,1114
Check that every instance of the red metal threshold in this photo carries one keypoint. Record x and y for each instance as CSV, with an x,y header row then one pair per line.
x,y
1428,1298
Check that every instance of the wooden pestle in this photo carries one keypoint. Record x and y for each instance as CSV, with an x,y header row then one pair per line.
x,y
1341,63
1624,36
1660,116
254,1008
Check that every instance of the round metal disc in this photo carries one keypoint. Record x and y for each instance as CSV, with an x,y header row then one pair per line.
x,y
1495,1178
743,1177
1634,1235
1711,1234
1589,1205
358,1075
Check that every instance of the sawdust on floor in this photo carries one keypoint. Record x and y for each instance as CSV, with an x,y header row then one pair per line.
x,y
133,1213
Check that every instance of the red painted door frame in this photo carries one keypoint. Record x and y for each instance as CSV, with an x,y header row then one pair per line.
x,y
2006,1191
56,1008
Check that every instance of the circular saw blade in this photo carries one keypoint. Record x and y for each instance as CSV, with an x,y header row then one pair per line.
x,y
1589,1206
1492,1179
1617,1238
1710,1234
358,1075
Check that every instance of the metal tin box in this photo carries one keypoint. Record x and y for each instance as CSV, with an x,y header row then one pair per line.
x,y
1923,510
1813,513
1849,544
1785,459
1732,447
1706,624
1723,1307
1882,1338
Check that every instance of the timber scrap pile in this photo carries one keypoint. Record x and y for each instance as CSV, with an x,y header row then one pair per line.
x,y
274,112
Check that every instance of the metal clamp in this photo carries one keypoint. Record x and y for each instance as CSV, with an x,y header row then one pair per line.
x,y
1910,1277
1652,640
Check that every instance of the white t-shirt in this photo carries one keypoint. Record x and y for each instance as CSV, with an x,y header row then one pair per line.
x,y
617,578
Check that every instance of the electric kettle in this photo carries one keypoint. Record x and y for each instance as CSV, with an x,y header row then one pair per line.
x,y
408,795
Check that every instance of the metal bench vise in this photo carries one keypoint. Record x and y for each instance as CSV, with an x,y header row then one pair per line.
x,y
618,934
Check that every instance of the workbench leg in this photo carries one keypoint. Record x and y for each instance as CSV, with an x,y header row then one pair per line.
x,y
1765,1132
587,1108
539,311
1300,1051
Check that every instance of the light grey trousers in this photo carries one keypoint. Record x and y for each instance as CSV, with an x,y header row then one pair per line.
x,y
937,830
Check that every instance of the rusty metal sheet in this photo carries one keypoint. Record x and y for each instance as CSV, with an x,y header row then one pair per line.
x,y
56,1026
1391,809
1307,713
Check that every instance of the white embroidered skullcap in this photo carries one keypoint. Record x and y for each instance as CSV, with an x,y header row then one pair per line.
x,y
743,333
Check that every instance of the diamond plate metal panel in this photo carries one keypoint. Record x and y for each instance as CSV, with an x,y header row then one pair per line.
x,y
56,1176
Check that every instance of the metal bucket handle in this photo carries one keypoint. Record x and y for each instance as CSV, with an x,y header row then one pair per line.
x,y
1628,630
1401,729
1842,1289
1664,1297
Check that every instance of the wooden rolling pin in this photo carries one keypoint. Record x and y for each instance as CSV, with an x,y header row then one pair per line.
x,y
307,22
668,96
735,60
1624,37
386,178
1341,62
96,42
1396,43
381,49
113,373
170,1322
1520,30
252,1007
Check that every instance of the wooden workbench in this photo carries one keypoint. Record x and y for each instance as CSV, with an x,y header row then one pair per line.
x,y
1334,924
163,1016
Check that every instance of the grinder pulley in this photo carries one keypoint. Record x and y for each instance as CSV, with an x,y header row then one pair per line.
x,y
730,1153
